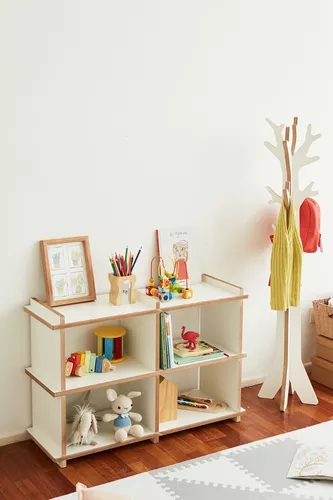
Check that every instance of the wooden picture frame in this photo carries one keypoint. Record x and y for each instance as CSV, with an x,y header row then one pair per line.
x,y
68,272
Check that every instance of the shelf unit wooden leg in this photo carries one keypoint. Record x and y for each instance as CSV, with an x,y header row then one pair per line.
x,y
155,439
237,419
62,463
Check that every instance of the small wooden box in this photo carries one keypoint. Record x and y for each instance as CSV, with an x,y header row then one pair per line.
x,y
324,348
322,371
168,393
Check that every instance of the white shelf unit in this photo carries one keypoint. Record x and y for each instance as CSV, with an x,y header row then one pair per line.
x,y
216,311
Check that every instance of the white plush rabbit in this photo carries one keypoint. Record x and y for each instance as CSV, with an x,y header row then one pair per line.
x,y
123,416
84,426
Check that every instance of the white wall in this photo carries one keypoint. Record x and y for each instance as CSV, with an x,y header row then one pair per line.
x,y
114,113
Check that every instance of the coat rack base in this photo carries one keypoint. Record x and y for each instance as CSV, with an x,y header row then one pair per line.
x,y
297,379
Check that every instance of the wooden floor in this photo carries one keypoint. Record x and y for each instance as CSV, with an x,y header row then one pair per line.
x,y
26,473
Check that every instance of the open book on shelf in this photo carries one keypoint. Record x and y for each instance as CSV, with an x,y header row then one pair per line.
x,y
312,462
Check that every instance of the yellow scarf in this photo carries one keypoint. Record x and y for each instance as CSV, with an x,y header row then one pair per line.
x,y
286,262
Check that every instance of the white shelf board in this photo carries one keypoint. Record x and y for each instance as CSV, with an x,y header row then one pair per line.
x,y
104,438
187,419
128,369
202,362
52,449
91,312
202,292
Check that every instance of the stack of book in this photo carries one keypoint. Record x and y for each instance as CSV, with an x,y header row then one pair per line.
x,y
203,351
166,342
176,352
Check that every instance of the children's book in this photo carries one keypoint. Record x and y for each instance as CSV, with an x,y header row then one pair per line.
x,y
184,361
312,462
163,343
182,245
168,327
180,348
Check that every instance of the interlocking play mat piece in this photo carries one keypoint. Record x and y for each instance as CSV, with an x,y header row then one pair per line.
x,y
255,471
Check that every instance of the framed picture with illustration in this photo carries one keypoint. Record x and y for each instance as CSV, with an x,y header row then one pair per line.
x,y
181,245
68,273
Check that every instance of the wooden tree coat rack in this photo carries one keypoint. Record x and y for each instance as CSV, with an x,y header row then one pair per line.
x,y
287,370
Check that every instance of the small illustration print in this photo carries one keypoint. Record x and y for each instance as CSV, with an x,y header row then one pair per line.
x,y
60,287
75,256
78,283
56,258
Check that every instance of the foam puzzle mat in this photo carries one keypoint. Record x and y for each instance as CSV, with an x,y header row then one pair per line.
x,y
255,471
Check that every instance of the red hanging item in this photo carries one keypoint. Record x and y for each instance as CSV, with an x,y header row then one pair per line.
x,y
309,227
309,217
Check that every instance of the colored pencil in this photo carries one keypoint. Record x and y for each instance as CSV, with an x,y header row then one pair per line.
x,y
123,265
126,252
136,258
116,267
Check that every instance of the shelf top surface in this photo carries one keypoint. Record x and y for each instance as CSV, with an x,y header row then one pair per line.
x,y
202,293
210,290
88,312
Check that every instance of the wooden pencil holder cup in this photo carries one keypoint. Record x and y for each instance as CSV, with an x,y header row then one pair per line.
x,y
117,286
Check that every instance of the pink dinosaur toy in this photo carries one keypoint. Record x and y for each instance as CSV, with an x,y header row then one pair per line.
x,y
191,337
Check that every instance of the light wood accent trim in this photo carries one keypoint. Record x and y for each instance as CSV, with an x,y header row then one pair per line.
x,y
88,322
48,307
287,159
198,304
294,140
158,342
54,459
241,289
52,327
47,274
35,379
215,361
157,402
240,363
286,136
110,318
63,425
62,354
104,384
241,312
96,449
137,377
205,422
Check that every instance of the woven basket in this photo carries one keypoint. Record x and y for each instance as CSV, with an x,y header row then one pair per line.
x,y
323,315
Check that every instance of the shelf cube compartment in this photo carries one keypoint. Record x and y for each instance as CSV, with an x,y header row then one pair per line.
x,y
218,324
220,382
144,404
139,345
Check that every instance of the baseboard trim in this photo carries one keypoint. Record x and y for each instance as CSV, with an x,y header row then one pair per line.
x,y
14,438
249,382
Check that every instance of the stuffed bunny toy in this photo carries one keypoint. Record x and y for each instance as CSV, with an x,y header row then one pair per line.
x,y
123,416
